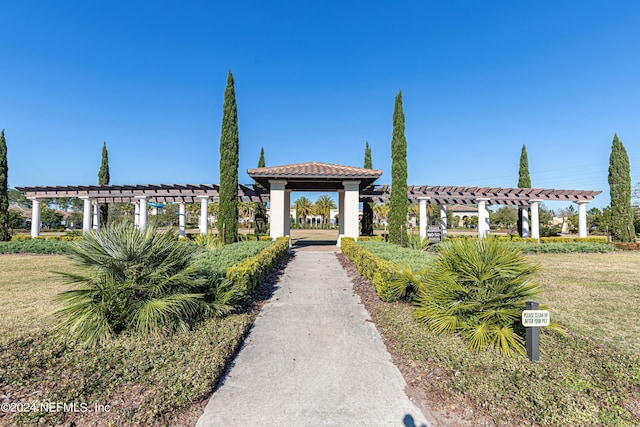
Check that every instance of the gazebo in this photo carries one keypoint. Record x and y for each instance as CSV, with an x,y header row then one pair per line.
x,y
275,184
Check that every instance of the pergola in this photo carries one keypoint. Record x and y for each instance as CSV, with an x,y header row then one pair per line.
x,y
275,184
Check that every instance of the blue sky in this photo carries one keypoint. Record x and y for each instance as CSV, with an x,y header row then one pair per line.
x,y
314,81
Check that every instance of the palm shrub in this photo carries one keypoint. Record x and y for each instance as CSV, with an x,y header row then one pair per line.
x,y
478,288
137,281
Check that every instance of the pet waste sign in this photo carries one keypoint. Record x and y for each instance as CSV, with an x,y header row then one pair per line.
x,y
535,318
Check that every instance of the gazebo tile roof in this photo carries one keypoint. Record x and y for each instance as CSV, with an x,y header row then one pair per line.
x,y
314,170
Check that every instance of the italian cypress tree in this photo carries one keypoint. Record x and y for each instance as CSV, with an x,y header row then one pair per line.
x,y
260,210
229,153
367,208
620,188
398,205
103,179
524,181
4,191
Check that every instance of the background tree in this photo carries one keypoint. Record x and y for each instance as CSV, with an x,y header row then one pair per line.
x,y
367,207
622,228
260,209
323,207
4,188
17,198
524,181
304,208
103,179
398,204
381,212
50,216
229,158
15,219
506,216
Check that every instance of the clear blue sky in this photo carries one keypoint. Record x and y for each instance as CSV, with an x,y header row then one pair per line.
x,y
314,81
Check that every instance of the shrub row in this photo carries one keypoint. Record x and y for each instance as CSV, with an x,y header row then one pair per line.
x,y
398,255
36,246
218,261
627,246
247,275
27,237
373,268
553,239
564,248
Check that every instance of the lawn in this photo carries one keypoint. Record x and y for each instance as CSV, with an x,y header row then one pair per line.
x,y
27,287
596,295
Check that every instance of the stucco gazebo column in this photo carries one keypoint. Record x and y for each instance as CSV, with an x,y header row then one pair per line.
x,y
142,221
287,212
535,221
182,211
525,222
35,218
340,214
279,211
351,201
96,216
483,218
443,220
582,218
204,215
423,216
86,214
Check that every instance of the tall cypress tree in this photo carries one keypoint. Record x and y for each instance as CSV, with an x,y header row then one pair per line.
x,y
260,209
4,190
229,158
524,181
367,208
398,205
103,179
620,188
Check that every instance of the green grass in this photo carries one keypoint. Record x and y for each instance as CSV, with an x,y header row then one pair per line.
x,y
34,247
152,380
597,295
218,261
576,382
398,255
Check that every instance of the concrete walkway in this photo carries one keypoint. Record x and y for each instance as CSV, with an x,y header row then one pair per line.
x,y
313,358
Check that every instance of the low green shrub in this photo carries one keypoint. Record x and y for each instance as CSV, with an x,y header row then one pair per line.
x,y
398,255
248,274
478,289
34,246
568,247
371,239
373,268
20,237
217,261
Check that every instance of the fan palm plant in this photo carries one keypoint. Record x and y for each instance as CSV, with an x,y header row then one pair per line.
x,y
132,280
478,288
304,208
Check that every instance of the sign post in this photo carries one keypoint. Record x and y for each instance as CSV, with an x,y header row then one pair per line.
x,y
434,234
532,320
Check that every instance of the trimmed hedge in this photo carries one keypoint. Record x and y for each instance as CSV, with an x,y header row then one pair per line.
x,y
565,248
553,239
218,261
35,246
247,275
26,237
373,268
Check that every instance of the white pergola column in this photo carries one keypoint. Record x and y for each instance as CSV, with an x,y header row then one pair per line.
x,y
86,215
279,210
204,214
582,218
423,217
525,222
340,214
35,218
96,216
483,218
142,221
351,201
443,220
535,221
182,211
136,214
